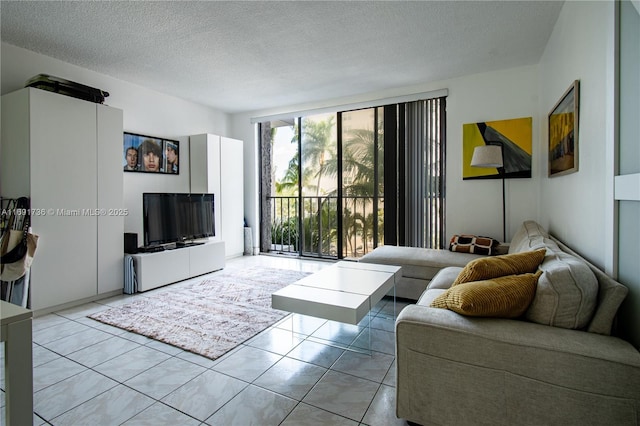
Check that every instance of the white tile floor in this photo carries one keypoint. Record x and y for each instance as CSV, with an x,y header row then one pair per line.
x,y
89,373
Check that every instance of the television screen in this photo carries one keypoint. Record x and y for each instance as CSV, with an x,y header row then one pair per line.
x,y
183,213
177,217
202,222
160,224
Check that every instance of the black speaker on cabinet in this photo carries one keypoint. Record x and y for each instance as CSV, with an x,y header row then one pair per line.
x,y
130,242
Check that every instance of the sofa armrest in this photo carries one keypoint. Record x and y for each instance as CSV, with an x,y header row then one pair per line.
x,y
457,370
571,358
503,248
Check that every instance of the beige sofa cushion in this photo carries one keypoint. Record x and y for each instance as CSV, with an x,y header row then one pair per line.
x,y
445,277
611,294
459,370
504,297
567,292
529,236
428,296
418,262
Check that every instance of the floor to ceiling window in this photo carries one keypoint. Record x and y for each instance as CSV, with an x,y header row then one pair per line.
x,y
323,180
362,181
319,185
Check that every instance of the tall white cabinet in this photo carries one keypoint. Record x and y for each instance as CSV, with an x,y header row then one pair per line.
x,y
216,165
65,154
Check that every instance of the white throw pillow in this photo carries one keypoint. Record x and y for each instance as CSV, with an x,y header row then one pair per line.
x,y
567,292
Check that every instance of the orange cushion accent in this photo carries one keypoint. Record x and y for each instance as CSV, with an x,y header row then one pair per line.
x,y
498,266
503,297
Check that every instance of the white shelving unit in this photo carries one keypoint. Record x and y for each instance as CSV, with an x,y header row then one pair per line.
x,y
216,165
154,270
65,154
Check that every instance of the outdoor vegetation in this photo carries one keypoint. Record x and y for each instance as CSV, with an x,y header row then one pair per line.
x,y
309,221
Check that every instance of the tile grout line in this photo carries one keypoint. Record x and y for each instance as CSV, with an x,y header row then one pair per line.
x,y
379,313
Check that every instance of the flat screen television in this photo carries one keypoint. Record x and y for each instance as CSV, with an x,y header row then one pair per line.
x,y
171,217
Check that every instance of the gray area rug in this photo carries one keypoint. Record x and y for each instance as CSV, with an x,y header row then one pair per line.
x,y
208,318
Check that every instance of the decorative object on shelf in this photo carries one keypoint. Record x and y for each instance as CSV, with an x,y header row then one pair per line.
x,y
515,137
492,156
150,154
67,88
563,133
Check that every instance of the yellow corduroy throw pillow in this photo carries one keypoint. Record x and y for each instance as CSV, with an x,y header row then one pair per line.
x,y
503,297
487,268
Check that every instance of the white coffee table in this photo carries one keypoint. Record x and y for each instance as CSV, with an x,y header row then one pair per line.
x,y
344,292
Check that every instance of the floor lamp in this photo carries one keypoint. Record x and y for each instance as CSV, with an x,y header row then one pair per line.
x,y
489,156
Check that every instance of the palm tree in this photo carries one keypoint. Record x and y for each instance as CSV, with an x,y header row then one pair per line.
x,y
359,163
352,226
289,183
317,147
319,156
318,151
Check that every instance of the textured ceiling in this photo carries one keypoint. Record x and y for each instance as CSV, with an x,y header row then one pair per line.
x,y
245,56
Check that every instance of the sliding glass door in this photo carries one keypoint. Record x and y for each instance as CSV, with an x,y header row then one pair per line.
x,y
319,186
325,198
362,181
323,181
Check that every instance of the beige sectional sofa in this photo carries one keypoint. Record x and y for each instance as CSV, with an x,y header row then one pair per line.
x,y
419,265
556,365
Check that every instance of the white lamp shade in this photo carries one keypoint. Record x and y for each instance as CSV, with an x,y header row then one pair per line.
x,y
487,156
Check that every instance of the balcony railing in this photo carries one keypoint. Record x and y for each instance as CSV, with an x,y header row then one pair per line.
x,y
315,231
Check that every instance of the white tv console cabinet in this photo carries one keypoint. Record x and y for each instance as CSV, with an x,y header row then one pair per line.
x,y
154,270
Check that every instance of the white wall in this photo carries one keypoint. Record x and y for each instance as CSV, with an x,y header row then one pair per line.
x,y
472,206
144,111
581,47
475,206
579,208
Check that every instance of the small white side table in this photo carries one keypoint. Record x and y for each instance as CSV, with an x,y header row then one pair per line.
x,y
15,332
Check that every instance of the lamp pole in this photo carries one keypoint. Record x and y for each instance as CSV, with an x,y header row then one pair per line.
x,y
504,214
502,172
487,156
